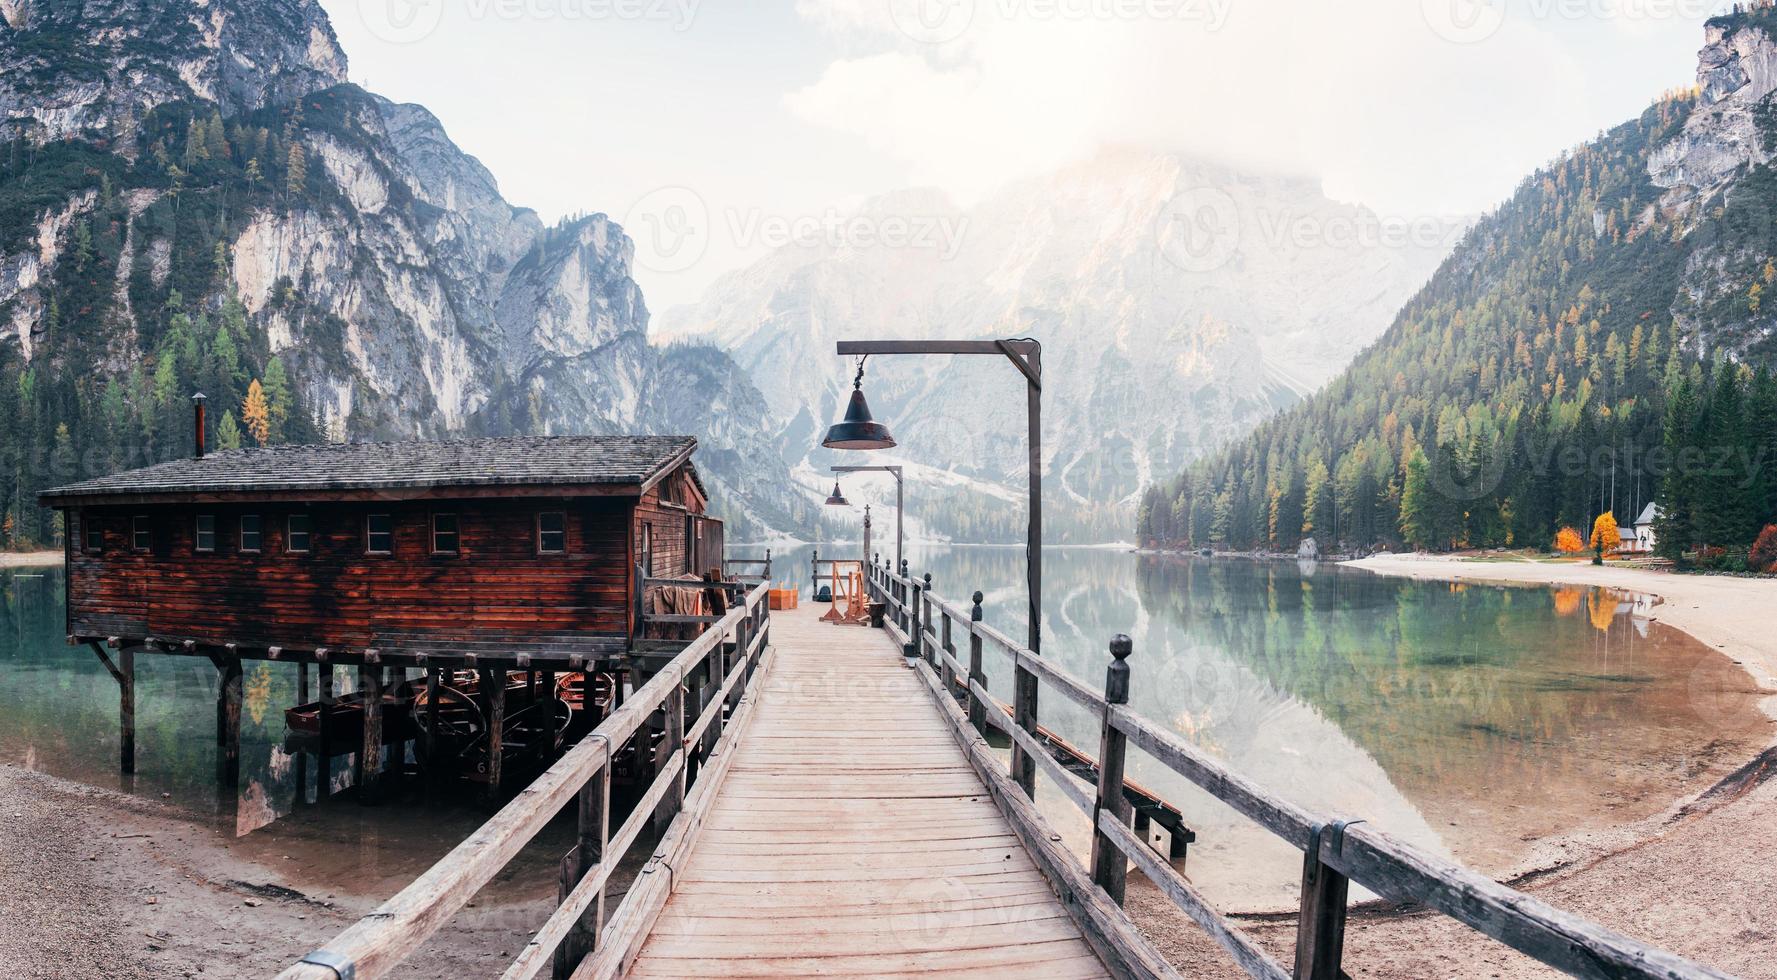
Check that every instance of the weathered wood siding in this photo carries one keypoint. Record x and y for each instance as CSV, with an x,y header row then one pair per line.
x,y
339,595
667,523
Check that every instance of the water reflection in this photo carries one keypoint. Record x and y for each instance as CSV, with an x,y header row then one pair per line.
x,y
1473,720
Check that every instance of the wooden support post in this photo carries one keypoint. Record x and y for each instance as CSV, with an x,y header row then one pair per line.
x,y
494,682
324,679
229,710
1110,867
370,756
1320,930
302,757
124,673
672,740
434,764
977,673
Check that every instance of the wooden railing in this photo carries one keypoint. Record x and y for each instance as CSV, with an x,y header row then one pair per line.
x,y
718,672
1335,851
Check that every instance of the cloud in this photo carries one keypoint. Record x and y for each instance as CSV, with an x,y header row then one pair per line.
x,y
1387,101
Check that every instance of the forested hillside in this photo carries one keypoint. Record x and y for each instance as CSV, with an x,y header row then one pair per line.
x,y
1601,338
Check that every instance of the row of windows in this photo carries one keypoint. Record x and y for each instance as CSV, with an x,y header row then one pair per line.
x,y
379,534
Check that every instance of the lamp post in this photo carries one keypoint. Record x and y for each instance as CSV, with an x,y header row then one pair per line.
x,y
860,431
900,499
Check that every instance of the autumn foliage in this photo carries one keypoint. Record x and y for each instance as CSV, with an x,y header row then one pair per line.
x,y
1569,542
1605,537
1764,551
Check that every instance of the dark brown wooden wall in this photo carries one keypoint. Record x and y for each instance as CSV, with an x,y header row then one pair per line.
x,y
337,595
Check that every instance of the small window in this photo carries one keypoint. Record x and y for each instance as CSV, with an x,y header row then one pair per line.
x,y
445,540
95,535
552,533
379,534
250,528
297,542
206,532
141,535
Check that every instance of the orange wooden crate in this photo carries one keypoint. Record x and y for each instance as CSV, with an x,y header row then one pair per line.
x,y
785,598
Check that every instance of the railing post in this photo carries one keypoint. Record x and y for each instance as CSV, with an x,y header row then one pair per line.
x,y
905,617
814,574
925,620
767,564
1320,929
1110,867
672,740
913,647
594,834
1024,714
949,646
977,710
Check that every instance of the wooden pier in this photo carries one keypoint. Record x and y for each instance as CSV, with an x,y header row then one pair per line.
x,y
853,838
824,803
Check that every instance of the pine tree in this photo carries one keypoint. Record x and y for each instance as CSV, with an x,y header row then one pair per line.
x,y
228,432
296,172
1418,509
278,401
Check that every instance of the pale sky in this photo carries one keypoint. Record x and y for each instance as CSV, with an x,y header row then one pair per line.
x,y
722,120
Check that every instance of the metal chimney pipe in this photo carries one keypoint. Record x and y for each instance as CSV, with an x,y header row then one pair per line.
x,y
197,406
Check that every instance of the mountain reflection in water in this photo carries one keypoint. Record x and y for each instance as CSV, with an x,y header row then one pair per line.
x,y
1472,720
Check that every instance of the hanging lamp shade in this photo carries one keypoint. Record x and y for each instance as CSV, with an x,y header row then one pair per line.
x,y
838,499
858,430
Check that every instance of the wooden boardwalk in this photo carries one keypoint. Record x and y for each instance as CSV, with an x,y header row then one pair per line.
x,y
852,837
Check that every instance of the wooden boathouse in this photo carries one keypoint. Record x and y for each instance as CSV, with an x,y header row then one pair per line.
x,y
483,565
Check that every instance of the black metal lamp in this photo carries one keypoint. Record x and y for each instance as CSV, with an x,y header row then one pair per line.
x,y
838,499
858,430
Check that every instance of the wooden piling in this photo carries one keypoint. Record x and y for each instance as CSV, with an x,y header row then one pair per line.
x,y
229,707
494,682
370,688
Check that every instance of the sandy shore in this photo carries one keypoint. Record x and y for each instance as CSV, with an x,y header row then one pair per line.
x,y
98,883
1697,879
1734,615
29,559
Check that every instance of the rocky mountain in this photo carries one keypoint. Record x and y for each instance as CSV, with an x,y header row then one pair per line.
x,y
191,196
1179,303
1584,347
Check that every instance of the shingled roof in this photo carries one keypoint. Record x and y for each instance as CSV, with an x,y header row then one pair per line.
x,y
610,462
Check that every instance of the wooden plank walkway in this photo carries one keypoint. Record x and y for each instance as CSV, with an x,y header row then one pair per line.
x,y
852,838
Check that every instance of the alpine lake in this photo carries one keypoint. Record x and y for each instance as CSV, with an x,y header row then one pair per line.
x,y
1493,724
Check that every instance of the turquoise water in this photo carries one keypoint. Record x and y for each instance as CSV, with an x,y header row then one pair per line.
x,y
1476,721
